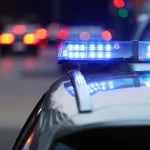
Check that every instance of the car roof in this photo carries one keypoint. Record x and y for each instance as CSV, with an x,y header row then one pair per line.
x,y
127,104
123,93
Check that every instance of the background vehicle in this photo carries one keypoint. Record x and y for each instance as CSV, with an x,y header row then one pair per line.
x,y
19,39
84,33
53,29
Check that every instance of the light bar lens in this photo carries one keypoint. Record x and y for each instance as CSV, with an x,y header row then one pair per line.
x,y
94,51
104,51
144,51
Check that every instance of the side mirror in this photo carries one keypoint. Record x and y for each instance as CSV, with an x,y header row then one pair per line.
x,y
29,126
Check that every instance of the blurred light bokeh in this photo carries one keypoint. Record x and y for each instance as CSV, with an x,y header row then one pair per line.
x,y
32,31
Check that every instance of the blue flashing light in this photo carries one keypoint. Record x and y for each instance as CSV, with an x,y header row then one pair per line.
x,y
94,87
145,79
144,51
80,51
104,85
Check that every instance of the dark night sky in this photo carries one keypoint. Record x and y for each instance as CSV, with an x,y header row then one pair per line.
x,y
20,8
72,11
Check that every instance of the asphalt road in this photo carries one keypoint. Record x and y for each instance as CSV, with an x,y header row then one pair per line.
x,y
22,83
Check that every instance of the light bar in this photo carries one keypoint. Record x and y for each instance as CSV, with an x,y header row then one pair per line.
x,y
104,85
79,51
144,51
118,82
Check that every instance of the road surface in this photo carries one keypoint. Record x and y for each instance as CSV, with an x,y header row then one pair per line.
x,y
22,83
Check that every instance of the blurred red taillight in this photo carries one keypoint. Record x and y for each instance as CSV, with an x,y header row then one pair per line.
x,y
19,29
7,39
30,39
63,34
41,34
106,35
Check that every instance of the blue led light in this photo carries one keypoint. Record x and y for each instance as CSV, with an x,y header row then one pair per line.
x,y
100,55
93,87
144,51
106,85
100,47
145,79
148,54
148,47
108,55
70,47
108,47
111,86
82,47
92,47
147,84
82,55
80,79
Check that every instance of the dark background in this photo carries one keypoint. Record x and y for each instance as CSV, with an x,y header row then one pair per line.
x,y
71,11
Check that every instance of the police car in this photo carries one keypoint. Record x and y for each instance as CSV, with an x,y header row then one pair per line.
x,y
90,109
19,39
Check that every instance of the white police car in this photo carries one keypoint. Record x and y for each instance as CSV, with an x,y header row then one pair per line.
x,y
19,39
89,109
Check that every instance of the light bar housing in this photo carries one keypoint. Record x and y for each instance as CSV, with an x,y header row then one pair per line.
x,y
114,82
99,52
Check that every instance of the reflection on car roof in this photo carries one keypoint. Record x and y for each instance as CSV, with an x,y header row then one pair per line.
x,y
103,100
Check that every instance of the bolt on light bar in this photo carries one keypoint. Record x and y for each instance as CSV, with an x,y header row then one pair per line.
x,y
79,51
102,85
